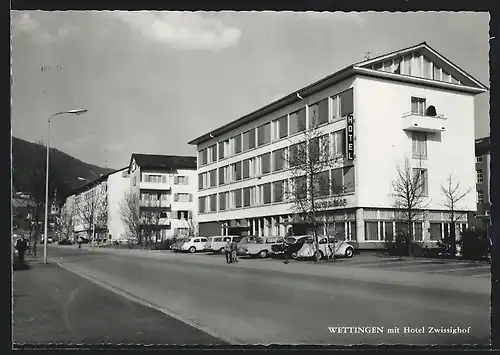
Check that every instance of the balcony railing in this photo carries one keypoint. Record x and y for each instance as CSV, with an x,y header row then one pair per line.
x,y
416,121
146,203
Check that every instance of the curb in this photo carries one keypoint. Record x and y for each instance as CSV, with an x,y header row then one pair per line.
x,y
143,302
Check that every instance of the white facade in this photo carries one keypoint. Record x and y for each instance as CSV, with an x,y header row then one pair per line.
x,y
118,185
388,99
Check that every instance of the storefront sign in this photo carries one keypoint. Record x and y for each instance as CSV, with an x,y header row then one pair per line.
x,y
350,137
331,203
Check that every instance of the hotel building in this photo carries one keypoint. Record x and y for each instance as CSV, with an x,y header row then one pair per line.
x,y
166,184
410,104
482,216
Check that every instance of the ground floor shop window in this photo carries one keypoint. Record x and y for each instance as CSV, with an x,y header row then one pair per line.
x,y
435,231
371,231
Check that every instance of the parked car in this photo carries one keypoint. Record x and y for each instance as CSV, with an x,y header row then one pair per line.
x,y
194,244
65,241
341,248
177,245
206,246
294,244
218,244
260,246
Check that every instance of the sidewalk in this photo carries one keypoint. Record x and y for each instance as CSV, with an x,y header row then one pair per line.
x,y
52,305
333,270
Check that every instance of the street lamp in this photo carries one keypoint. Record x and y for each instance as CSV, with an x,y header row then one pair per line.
x,y
45,235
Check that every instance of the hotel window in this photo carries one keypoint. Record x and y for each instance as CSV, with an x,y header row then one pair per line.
x,y
279,188
346,103
371,231
322,184
387,66
238,198
318,113
437,73
223,149
397,66
248,168
338,142
236,143
335,108
222,201
265,192
352,231
180,180
389,231
236,167
407,65
421,180
348,181
247,197
201,204
427,69
336,181
479,176
298,121
222,181
280,128
417,65
446,77
297,154
182,197
206,181
213,178
213,202
264,134
480,196
479,159
279,159
419,144
249,140
435,231
417,105
200,181
265,163
202,157
213,153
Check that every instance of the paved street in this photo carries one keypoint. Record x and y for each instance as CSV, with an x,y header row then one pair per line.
x,y
53,305
265,302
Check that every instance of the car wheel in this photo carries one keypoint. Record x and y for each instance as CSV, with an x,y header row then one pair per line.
x,y
192,249
320,255
349,252
221,251
294,256
263,254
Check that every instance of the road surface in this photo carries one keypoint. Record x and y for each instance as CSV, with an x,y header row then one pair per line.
x,y
56,306
268,302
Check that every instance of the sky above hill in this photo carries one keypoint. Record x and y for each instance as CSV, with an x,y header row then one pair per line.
x,y
152,81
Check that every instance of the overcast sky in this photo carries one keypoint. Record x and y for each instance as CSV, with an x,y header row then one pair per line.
x,y
153,81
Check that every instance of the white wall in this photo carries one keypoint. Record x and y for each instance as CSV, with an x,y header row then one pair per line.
x,y
381,143
118,187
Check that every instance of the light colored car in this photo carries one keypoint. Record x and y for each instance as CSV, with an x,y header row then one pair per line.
x,y
340,248
178,244
218,244
259,246
194,244
206,246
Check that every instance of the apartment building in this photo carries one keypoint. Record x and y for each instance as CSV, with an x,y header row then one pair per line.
x,y
482,215
166,184
99,201
410,104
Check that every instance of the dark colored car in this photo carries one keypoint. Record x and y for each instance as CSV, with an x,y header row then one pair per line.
x,y
65,241
294,245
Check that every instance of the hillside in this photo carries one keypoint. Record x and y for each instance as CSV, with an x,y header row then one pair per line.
x,y
28,169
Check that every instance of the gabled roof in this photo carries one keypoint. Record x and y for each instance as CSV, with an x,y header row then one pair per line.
x,y
469,84
154,161
431,55
95,182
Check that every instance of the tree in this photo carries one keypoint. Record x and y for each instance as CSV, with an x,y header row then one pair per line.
x,y
453,194
309,158
409,190
130,215
92,210
66,220
193,228
151,216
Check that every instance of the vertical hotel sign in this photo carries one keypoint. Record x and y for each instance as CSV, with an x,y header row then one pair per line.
x,y
350,137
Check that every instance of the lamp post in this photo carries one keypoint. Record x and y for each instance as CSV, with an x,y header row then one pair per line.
x,y
45,235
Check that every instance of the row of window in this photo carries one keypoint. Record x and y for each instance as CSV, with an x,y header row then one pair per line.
x,y
159,178
380,231
327,183
153,197
273,161
416,65
327,110
179,214
479,176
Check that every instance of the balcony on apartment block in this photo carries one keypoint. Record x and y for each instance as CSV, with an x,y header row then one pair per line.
x,y
428,121
155,203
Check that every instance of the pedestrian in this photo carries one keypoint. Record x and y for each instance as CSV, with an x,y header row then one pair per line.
x,y
21,248
285,250
234,251
227,250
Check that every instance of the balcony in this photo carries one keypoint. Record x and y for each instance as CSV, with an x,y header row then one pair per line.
x,y
155,203
419,122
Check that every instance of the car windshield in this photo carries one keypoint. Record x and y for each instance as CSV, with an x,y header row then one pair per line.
x,y
247,240
310,241
290,240
259,240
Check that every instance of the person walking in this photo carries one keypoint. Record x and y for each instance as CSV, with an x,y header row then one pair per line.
x,y
285,250
234,251
21,249
227,250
